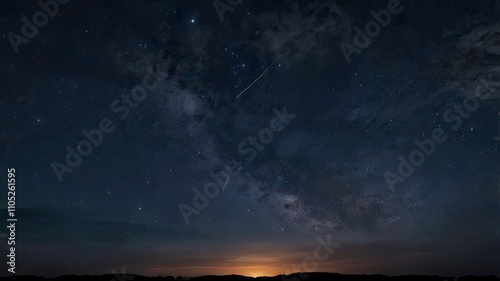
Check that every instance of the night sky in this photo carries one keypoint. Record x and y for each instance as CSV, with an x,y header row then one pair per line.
x,y
231,136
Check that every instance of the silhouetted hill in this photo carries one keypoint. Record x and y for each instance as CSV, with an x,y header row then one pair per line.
x,y
316,276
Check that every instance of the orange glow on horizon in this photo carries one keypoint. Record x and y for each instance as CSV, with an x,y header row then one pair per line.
x,y
256,271
254,264
192,271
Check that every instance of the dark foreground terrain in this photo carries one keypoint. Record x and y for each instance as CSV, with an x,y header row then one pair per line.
x,y
292,277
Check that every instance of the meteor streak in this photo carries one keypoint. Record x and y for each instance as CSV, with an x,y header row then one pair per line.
x,y
256,79
225,183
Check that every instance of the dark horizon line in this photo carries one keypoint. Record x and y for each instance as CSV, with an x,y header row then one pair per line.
x,y
245,276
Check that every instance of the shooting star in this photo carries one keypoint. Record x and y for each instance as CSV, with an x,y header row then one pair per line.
x,y
256,79
225,183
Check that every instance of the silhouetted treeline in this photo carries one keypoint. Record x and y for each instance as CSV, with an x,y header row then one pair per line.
x,y
292,277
